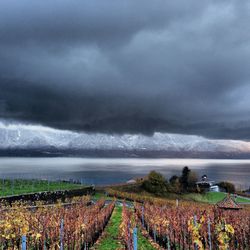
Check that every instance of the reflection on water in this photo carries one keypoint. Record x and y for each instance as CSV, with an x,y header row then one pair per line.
x,y
105,171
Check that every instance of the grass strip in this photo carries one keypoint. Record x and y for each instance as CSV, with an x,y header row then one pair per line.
x,y
110,238
143,243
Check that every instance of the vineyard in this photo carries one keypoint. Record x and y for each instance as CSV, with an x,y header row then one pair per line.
x,y
128,227
81,224
190,227
53,227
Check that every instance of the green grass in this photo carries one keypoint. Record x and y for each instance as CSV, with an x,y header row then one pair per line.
x,y
243,200
110,239
143,243
20,186
211,197
99,195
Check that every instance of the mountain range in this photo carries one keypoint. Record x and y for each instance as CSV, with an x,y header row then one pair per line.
x,y
28,138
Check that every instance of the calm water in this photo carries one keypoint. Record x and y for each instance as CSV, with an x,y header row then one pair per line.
x,y
107,171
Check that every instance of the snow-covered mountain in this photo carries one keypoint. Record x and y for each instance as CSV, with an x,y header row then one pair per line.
x,y
20,136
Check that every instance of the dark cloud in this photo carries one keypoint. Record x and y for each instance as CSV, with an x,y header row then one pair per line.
x,y
134,66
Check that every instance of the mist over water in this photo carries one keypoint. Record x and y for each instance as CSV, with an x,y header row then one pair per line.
x,y
101,171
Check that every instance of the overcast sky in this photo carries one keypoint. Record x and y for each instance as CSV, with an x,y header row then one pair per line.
x,y
127,66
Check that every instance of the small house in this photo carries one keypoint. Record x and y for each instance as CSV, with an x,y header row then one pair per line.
x,y
207,185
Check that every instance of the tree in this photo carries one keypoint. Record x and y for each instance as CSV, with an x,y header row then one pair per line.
x,y
175,184
192,179
228,186
184,178
173,179
155,183
188,180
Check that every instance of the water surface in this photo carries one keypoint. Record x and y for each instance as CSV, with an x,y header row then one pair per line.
x,y
108,171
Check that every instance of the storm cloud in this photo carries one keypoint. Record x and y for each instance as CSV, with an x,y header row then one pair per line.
x,y
127,66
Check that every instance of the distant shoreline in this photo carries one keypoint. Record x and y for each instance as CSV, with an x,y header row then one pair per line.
x,y
121,154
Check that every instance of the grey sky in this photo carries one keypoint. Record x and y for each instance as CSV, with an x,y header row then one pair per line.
x,y
127,66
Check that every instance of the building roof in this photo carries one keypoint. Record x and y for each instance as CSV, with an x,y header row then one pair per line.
x,y
131,181
228,203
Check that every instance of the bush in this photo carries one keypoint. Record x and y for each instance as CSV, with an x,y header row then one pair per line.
x,y
228,186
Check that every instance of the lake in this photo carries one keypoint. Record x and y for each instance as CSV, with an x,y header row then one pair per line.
x,y
100,171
